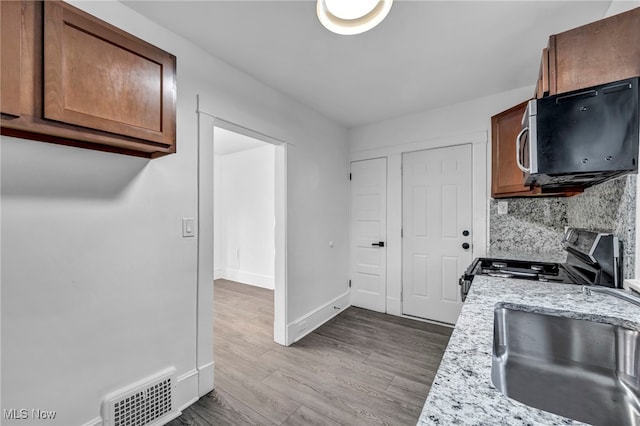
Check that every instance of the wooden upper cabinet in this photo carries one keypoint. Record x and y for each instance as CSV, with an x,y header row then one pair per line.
x,y
10,57
92,85
542,86
507,180
601,52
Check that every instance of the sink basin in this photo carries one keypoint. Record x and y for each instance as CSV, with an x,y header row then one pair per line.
x,y
585,370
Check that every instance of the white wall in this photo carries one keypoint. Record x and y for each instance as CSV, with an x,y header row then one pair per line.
x,y
245,214
619,6
99,287
467,122
218,262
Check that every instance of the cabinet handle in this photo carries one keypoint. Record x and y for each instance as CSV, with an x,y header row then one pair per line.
x,y
379,244
518,160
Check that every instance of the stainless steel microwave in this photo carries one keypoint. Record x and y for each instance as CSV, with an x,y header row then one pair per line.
x,y
580,138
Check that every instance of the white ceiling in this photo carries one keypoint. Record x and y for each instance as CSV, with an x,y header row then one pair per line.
x,y
426,54
227,142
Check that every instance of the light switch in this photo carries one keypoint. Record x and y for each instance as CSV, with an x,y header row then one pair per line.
x,y
503,207
188,225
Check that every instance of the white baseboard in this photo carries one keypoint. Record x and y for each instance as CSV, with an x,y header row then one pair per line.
x,y
394,306
299,328
186,392
245,277
205,379
217,273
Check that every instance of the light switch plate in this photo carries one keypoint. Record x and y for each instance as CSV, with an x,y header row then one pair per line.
x,y
503,207
188,227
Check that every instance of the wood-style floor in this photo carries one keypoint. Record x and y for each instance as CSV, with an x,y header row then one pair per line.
x,y
361,368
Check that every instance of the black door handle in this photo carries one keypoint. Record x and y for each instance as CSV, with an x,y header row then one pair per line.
x,y
465,246
379,244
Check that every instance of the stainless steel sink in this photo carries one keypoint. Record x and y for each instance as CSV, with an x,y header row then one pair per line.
x,y
584,370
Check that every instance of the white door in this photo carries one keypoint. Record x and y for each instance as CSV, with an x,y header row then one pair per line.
x,y
436,220
368,234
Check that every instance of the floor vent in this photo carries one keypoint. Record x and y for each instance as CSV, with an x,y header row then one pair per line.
x,y
145,403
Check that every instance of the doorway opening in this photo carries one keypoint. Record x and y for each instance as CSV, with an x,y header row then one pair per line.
x,y
207,123
244,259
243,209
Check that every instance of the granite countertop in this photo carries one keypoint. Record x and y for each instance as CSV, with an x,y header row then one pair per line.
x,y
462,392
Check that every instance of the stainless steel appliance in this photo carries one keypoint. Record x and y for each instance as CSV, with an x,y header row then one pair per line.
x,y
594,258
580,138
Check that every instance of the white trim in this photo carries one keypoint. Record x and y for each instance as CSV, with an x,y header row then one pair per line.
x,y
284,245
217,273
187,375
207,120
480,198
440,142
246,277
394,306
310,322
204,235
443,324
186,391
205,379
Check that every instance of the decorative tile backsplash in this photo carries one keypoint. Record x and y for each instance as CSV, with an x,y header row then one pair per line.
x,y
537,224
531,225
610,206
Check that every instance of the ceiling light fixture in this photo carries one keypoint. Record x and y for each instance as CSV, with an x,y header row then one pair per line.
x,y
349,17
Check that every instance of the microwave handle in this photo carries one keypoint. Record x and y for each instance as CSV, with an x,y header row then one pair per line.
x,y
518,160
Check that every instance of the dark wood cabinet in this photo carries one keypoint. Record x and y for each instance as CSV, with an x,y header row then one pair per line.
x,y
10,57
87,83
601,52
507,180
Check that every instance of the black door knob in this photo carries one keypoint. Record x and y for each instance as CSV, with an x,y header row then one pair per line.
x,y
379,244
465,233
465,246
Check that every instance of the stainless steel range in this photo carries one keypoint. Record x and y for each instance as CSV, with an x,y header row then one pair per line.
x,y
594,258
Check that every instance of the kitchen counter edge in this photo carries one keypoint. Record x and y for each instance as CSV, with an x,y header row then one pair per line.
x,y
462,392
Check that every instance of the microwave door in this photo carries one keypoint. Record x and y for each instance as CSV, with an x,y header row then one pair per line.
x,y
526,142
533,145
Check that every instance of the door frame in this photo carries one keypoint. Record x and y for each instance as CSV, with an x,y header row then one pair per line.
x,y
481,178
205,229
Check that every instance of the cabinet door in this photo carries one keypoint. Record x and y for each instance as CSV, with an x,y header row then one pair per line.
x,y
99,77
597,53
506,178
10,57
